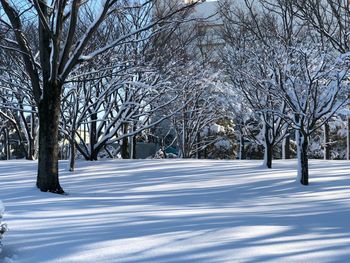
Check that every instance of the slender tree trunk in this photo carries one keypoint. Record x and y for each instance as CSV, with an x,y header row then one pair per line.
x,y
133,143
327,148
93,137
241,153
198,153
33,134
268,152
31,139
303,166
286,148
72,154
31,149
7,144
84,136
49,112
184,148
348,139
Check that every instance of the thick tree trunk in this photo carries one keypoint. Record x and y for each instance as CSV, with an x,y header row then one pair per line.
x,y
327,148
49,112
303,166
94,155
124,148
133,145
268,152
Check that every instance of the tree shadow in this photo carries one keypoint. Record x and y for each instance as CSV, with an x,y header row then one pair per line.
x,y
180,211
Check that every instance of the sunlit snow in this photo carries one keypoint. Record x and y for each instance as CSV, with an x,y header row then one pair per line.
x,y
178,211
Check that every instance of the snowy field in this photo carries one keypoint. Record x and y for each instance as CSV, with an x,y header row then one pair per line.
x,y
178,211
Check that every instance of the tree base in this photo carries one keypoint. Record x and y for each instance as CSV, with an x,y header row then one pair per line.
x,y
53,191
303,182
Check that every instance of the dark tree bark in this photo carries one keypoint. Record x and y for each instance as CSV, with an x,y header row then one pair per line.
x,y
286,147
268,155
31,146
93,137
49,111
61,46
198,139
303,165
124,148
268,149
241,154
31,149
72,152
348,139
133,145
7,144
327,147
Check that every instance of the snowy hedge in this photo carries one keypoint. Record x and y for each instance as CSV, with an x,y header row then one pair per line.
x,y
2,226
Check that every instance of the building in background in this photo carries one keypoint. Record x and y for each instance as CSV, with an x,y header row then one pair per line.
x,y
209,27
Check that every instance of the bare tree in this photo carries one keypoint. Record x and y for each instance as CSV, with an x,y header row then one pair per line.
x,y
249,34
331,19
63,43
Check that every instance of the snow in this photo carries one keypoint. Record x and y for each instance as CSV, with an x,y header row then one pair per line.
x,y
2,209
178,211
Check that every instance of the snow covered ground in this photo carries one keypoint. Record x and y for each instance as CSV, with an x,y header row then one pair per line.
x,y
178,211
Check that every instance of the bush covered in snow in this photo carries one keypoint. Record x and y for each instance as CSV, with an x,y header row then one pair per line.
x,y
3,227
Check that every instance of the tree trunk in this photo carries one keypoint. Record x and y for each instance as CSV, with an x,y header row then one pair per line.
x,y
268,152
348,139
124,148
31,143
184,135
268,148
198,152
49,112
241,153
72,154
31,149
286,148
327,148
133,156
303,166
93,137
7,144
133,143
